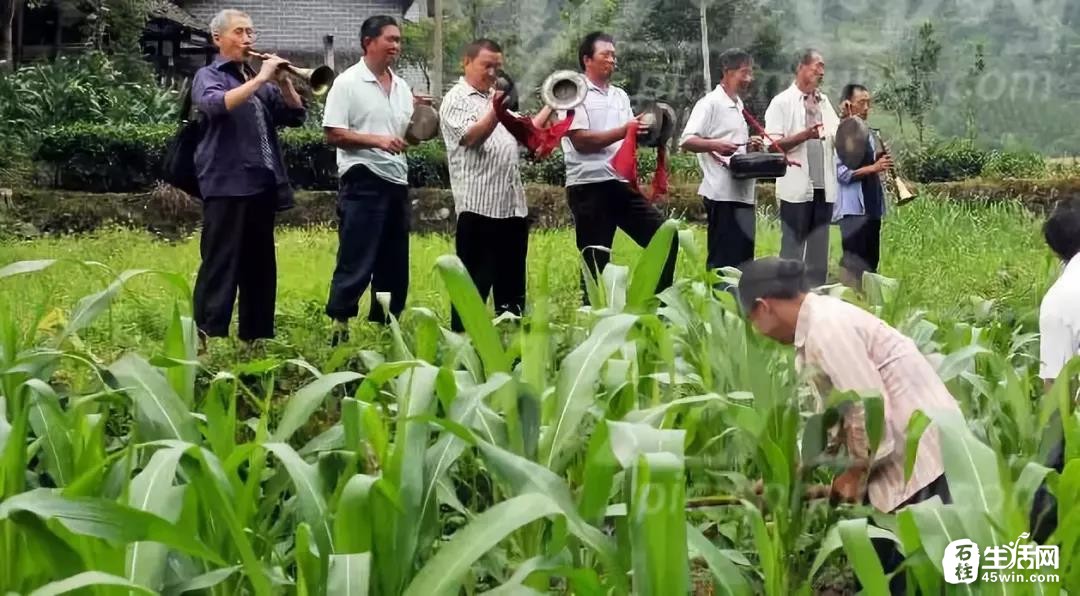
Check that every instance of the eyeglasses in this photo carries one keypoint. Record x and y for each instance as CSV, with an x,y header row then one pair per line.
x,y
249,32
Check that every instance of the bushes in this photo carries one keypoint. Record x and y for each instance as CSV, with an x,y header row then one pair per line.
x,y
128,158
1014,164
84,88
961,159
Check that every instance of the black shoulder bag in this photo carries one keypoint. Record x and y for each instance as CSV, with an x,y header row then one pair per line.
x,y
178,168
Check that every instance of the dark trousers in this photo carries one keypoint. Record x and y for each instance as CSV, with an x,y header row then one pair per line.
x,y
806,235
861,238
601,207
494,252
731,233
1044,513
237,249
373,245
887,551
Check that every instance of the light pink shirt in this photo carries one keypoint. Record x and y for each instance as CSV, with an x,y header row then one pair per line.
x,y
856,351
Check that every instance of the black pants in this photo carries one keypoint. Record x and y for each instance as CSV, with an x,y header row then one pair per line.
x,y
731,233
373,245
887,551
237,249
1044,513
494,252
601,207
806,235
861,239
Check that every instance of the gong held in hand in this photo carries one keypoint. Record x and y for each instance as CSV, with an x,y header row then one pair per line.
x,y
424,124
851,138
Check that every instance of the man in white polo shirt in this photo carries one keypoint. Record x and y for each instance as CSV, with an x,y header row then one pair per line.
x,y
601,200
715,131
807,123
367,112
492,237
1059,330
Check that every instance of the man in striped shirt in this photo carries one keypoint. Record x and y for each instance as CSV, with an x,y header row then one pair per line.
x,y
852,350
492,231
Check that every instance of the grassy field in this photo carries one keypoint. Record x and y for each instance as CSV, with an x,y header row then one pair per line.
x,y
942,252
609,452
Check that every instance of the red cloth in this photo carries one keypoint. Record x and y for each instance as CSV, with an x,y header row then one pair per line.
x,y
539,141
625,164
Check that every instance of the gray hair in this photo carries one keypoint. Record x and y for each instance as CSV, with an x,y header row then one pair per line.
x,y
806,57
223,18
734,59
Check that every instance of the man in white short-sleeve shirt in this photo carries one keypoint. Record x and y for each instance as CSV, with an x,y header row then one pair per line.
x,y
1059,314
367,112
1059,329
600,200
716,131
807,123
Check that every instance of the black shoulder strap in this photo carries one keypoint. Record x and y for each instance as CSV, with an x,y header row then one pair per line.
x,y
185,108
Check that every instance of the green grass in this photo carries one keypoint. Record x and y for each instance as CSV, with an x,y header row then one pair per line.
x,y
942,252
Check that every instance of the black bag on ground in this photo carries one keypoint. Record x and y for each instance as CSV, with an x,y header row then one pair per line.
x,y
178,165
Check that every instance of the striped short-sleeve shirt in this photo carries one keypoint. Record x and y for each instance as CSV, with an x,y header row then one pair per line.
x,y
855,351
485,180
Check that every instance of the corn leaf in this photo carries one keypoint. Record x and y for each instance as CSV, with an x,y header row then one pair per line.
x,y
917,425
88,579
105,519
442,575
473,313
650,266
349,575
575,387
729,579
305,479
152,491
860,552
307,400
201,582
53,429
159,412
180,346
90,307
657,525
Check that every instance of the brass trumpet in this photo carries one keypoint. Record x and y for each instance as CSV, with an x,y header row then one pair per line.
x,y
903,192
320,79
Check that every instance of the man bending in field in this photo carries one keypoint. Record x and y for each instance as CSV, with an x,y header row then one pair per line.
x,y
855,351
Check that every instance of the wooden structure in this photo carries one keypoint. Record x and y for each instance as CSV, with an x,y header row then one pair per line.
x,y
175,42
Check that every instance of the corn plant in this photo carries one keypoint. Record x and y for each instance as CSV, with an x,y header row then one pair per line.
x,y
612,455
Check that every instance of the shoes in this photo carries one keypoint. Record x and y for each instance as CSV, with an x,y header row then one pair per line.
x,y
339,334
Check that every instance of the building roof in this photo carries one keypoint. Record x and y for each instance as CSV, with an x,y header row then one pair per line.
x,y
166,10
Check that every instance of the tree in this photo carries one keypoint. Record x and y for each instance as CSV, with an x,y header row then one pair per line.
x,y
418,46
910,88
7,17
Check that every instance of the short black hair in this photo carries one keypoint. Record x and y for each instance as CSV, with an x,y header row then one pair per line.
x,y
588,45
805,57
1062,229
734,59
850,89
771,277
373,27
472,50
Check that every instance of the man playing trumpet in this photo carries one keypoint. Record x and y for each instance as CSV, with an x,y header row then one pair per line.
x,y
860,203
242,178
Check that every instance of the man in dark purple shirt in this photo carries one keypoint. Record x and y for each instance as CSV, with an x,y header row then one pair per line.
x,y
242,177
